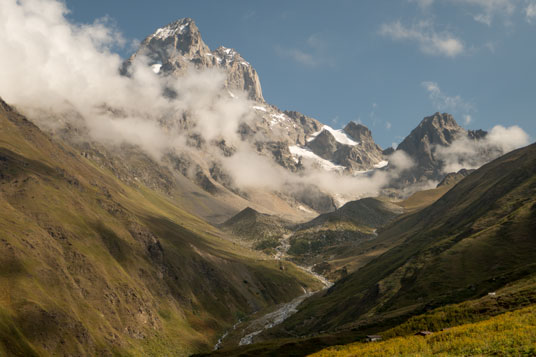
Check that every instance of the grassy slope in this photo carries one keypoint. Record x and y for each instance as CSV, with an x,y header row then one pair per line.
x,y
91,266
513,333
512,297
500,324
476,238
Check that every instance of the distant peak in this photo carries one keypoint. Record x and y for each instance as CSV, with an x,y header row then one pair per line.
x,y
357,131
439,120
178,27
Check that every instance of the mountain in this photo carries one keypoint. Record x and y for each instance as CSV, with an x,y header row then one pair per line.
x,y
172,49
290,139
257,227
473,240
332,242
92,266
435,130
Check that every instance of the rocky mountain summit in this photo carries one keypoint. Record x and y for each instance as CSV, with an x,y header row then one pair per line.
x,y
290,139
433,131
173,48
297,143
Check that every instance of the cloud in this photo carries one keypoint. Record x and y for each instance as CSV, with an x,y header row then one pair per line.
x,y
467,119
388,125
316,53
471,154
58,72
488,9
530,11
297,55
430,42
443,102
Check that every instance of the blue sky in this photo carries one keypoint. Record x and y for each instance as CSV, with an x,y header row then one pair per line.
x,y
384,63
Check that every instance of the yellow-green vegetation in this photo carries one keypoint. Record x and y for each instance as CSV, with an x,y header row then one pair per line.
x,y
476,238
92,266
509,334
422,199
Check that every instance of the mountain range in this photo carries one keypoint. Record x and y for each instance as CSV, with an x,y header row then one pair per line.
x,y
255,231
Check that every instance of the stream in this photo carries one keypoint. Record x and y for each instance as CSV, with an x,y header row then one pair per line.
x,y
276,317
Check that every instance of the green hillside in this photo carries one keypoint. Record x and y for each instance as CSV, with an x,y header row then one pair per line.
x,y
511,334
502,323
91,266
476,238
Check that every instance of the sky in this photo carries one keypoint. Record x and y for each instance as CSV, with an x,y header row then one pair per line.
x,y
386,64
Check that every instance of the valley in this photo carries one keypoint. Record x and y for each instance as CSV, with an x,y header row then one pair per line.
x,y
157,204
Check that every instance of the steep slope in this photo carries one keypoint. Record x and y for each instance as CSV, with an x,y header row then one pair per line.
x,y
420,145
91,266
175,47
368,212
476,238
260,229
332,242
518,297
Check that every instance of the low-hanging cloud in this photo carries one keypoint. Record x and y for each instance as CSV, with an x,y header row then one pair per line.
x,y
466,153
55,72
52,69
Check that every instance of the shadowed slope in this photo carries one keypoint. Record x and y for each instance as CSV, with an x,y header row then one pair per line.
x,y
91,266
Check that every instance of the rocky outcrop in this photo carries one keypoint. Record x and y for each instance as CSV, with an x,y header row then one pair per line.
x,y
306,124
453,178
174,48
324,145
438,129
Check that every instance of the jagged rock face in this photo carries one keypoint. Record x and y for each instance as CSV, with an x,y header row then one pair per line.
x,y
362,154
438,129
356,157
307,124
454,177
279,152
324,145
358,132
177,46
477,134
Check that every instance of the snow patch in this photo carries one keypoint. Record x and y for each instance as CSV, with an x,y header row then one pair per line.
x,y
339,135
305,209
156,67
171,30
258,107
278,118
381,164
308,154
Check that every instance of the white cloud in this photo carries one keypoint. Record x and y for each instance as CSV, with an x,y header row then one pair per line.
x,y
488,9
530,11
471,154
388,125
60,72
467,119
430,42
443,102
